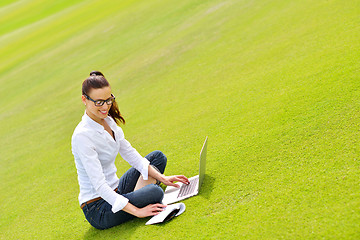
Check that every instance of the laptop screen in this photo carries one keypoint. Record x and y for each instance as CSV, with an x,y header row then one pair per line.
x,y
202,163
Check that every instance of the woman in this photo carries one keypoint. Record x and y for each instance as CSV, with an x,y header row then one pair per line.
x,y
105,199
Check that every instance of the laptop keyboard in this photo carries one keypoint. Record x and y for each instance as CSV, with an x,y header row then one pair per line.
x,y
187,189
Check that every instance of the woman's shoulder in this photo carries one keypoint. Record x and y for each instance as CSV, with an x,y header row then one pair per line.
x,y
82,130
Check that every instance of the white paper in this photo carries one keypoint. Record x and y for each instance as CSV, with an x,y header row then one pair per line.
x,y
161,216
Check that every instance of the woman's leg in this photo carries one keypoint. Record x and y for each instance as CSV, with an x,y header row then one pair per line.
x,y
158,160
99,213
129,179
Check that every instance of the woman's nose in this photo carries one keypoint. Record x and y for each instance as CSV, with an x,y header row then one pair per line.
x,y
105,107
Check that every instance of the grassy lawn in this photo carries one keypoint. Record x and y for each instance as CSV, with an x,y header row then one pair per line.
x,y
274,84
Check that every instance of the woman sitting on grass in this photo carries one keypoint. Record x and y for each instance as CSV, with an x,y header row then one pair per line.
x,y
105,199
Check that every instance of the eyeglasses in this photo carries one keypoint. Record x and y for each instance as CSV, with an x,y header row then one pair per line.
x,y
100,102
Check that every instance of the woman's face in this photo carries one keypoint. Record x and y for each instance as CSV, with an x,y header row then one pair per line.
x,y
97,113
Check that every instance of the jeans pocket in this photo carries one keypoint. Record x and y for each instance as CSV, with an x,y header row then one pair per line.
x,y
88,208
93,214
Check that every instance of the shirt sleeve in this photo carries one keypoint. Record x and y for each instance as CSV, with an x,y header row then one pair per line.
x,y
129,154
87,154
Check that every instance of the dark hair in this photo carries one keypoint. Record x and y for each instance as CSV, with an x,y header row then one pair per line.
x,y
98,80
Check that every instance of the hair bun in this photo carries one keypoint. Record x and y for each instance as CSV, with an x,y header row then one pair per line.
x,y
96,73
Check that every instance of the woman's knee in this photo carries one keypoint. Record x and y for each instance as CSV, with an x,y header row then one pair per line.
x,y
160,155
158,159
156,193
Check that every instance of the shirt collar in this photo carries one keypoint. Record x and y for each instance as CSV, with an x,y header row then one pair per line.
x,y
110,121
98,127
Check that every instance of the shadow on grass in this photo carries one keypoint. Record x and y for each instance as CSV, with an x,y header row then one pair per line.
x,y
207,186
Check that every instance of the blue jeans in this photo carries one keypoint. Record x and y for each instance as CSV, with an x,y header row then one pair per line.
x,y
99,213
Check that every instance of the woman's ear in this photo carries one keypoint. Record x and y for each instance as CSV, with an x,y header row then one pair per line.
x,y
83,98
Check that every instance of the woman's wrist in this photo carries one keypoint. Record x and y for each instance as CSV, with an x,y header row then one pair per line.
x,y
162,178
132,209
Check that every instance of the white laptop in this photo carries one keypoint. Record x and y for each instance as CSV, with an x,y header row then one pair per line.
x,y
173,194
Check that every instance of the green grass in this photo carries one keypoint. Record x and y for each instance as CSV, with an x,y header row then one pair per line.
x,y
274,84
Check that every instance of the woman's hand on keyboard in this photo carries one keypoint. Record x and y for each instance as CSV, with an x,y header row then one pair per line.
x,y
169,180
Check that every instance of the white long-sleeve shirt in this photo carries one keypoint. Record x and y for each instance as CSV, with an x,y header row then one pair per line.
x,y
95,150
